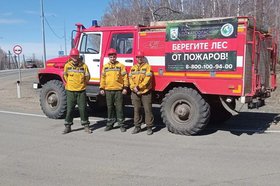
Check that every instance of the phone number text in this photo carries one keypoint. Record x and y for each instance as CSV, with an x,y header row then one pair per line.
x,y
210,67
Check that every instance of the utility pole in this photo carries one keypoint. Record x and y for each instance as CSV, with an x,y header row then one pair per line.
x,y
43,33
23,61
65,39
9,54
19,77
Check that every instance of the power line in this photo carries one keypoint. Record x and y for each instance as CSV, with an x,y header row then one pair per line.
x,y
59,37
43,20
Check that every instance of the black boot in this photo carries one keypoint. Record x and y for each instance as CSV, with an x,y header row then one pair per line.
x,y
149,131
123,129
136,130
87,129
108,127
67,129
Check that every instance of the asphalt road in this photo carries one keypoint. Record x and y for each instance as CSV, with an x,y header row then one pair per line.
x,y
243,151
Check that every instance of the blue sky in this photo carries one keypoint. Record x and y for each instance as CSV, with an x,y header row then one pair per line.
x,y
20,23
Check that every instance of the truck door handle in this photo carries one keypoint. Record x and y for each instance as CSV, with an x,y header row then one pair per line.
x,y
129,60
96,60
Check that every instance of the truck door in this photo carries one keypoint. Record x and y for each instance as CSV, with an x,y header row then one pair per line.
x,y
123,43
90,50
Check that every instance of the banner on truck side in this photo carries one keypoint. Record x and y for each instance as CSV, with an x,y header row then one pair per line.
x,y
202,45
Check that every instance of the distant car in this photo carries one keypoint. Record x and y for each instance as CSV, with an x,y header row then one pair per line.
x,y
30,64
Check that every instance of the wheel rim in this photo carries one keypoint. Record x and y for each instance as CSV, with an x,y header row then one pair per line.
x,y
52,100
181,110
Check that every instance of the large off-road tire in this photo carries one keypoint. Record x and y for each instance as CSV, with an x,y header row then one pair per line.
x,y
53,99
184,111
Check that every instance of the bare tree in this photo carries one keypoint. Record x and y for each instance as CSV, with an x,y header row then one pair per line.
x,y
3,60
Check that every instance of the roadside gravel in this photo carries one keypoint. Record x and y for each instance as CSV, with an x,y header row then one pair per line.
x,y
29,101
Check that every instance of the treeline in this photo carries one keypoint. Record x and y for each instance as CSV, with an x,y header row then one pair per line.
x,y
134,12
6,62
9,60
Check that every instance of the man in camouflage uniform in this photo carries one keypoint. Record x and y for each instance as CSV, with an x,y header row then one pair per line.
x,y
114,84
140,80
76,76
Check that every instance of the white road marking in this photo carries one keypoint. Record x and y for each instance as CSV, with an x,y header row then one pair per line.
x,y
272,131
35,115
254,131
22,114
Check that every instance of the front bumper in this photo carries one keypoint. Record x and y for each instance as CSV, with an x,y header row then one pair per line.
x,y
37,85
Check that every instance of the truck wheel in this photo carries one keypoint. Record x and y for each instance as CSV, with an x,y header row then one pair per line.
x,y
53,99
184,111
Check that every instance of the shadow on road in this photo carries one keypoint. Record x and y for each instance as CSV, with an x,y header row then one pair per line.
x,y
244,123
128,112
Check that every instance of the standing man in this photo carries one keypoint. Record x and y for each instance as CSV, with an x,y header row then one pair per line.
x,y
114,84
76,76
140,79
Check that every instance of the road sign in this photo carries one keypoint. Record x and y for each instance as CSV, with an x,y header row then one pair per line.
x,y
17,49
60,53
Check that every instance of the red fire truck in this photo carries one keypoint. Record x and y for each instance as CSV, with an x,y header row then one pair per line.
x,y
201,67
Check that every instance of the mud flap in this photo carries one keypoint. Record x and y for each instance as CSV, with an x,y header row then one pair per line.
x,y
229,106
